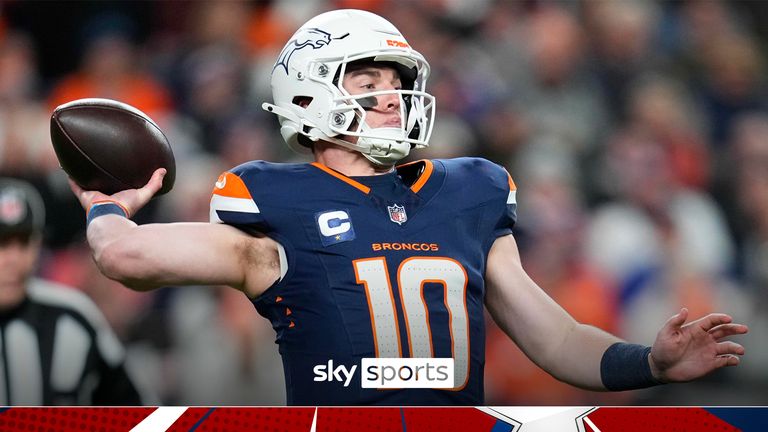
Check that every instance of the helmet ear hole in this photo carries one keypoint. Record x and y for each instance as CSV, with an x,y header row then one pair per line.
x,y
302,101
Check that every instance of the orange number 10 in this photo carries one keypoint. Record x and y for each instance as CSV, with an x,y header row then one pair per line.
x,y
412,275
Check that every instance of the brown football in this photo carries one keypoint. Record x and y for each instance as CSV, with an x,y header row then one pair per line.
x,y
109,146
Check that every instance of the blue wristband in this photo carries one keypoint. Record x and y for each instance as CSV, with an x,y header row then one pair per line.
x,y
104,208
625,367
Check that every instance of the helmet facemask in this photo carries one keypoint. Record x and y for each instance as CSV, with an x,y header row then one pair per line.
x,y
347,119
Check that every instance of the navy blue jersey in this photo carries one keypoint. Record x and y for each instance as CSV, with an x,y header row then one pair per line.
x,y
381,266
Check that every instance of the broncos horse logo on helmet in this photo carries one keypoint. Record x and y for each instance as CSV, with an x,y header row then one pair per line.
x,y
311,37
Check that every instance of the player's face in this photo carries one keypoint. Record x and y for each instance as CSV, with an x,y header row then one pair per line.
x,y
18,254
386,110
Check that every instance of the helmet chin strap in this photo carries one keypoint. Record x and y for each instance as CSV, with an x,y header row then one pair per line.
x,y
386,149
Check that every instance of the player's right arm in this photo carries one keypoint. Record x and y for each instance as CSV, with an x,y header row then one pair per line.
x,y
144,257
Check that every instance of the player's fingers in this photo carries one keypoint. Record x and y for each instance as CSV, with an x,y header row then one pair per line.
x,y
157,177
83,196
77,190
713,320
727,360
677,320
729,347
725,330
153,185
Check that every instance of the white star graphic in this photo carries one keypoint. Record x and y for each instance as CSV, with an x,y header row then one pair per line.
x,y
545,419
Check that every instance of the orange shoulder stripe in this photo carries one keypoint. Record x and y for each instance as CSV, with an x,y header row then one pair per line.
x,y
512,186
232,186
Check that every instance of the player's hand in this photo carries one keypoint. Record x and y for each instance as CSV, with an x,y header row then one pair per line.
x,y
131,199
684,352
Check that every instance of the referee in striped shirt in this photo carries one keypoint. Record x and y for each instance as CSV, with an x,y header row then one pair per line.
x,y
56,347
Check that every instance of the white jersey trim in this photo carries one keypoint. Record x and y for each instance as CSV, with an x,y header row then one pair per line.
x,y
241,205
512,197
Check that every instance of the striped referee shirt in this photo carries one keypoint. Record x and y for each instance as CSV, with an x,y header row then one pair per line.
x,y
56,348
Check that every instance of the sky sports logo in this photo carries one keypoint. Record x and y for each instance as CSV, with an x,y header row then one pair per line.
x,y
391,373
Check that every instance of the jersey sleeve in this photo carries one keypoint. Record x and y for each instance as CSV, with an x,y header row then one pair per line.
x,y
232,203
508,215
483,184
115,385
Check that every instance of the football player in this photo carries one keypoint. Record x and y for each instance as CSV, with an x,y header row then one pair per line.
x,y
353,256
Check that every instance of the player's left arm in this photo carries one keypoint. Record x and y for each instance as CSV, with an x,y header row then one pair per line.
x,y
577,353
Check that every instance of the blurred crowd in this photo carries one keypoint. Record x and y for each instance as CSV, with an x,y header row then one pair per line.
x,y
636,131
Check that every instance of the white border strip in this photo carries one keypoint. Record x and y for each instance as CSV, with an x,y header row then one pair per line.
x,y
160,420
592,425
314,422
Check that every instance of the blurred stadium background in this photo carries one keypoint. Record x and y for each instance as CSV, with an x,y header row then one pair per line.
x,y
636,131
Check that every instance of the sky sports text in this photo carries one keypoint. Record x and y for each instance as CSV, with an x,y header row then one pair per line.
x,y
389,373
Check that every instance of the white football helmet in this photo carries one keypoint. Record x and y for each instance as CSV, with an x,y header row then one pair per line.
x,y
311,69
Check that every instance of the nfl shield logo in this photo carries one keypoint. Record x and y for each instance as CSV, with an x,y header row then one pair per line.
x,y
397,214
12,208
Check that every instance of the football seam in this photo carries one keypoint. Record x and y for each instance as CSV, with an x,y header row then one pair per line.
x,y
79,150
143,117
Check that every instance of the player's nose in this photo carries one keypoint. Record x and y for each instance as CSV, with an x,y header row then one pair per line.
x,y
389,102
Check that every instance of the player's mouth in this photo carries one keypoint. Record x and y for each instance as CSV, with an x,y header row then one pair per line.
x,y
393,122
